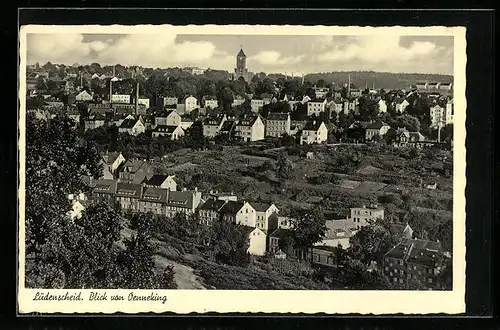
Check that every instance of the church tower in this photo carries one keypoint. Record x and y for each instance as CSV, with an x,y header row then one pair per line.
x,y
241,67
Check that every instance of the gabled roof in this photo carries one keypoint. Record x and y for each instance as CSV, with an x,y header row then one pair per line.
x,y
260,207
169,129
180,199
247,121
213,120
155,194
278,116
232,207
376,125
213,205
266,96
313,125
241,53
248,230
110,157
124,189
104,186
157,179
165,114
280,233
133,165
129,123
228,125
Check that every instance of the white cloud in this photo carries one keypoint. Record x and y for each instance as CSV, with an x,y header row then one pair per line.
x,y
271,57
376,49
156,50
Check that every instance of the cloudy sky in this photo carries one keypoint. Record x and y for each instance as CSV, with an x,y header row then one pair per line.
x,y
297,54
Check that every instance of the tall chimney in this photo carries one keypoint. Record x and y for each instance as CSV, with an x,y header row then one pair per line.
x,y
110,89
439,132
137,99
349,86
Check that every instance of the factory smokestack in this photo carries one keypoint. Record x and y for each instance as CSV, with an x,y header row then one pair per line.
x,y
137,99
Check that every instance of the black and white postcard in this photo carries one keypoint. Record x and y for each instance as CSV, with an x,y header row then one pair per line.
x,y
238,168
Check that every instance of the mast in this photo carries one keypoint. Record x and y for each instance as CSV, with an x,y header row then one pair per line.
x,y
349,86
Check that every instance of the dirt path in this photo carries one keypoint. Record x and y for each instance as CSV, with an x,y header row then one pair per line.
x,y
184,275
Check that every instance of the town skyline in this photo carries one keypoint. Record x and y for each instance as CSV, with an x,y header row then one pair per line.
x,y
269,54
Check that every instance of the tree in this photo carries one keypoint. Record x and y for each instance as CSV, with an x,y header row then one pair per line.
x,y
308,227
412,124
229,242
368,108
284,167
369,242
225,98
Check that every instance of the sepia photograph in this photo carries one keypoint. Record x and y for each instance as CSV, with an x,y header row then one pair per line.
x,y
214,159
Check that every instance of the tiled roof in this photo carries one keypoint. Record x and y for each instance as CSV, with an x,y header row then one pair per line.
x,y
228,125
124,189
313,125
155,194
104,186
213,204
231,207
157,179
260,207
180,198
278,116
128,123
165,128
376,125
133,165
247,121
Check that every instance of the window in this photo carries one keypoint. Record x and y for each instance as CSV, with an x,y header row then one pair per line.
x,y
429,280
401,262
400,280
386,268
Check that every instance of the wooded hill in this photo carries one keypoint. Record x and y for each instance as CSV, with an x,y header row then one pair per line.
x,y
384,80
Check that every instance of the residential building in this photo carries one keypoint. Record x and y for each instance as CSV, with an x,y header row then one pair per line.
x,y
277,241
210,211
94,121
335,105
83,96
132,126
278,124
212,125
111,162
377,128
228,128
257,241
246,215
256,104
401,105
314,131
441,115
415,261
366,214
135,171
103,190
190,103
316,107
170,100
238,100
382,106
169,118
77,208
320,92
120,98
250,129
355,92
285,222
128,196
185,202
186,123
172,132
161,181
338,233
153,200
144,101
405,138
74,115
210,102
231,209
267,216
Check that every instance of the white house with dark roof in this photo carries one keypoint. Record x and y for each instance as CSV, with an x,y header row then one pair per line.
x,y
256,104
170,100
169,118
210,102
246,215
212,125
132,126
161,181
316,107
267,216
185,202
377,128
111,161
83,96
250,129
278,124
257,241
315,131
120,98
171,131
382,106
190,103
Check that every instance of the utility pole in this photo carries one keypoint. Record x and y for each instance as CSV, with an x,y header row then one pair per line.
x,y
349,86
439,132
